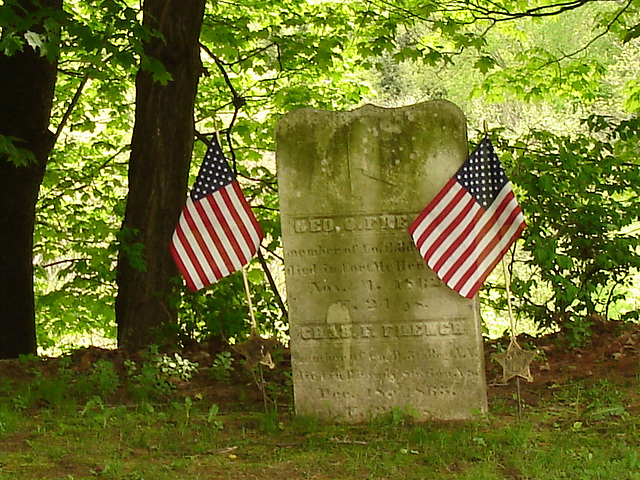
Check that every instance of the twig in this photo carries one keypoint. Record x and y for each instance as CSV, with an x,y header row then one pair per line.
x,y
507,280
72,105
223,451
519,399
593,40
272,283
60,262
279,257
238,102
260,384
245,281
88,178
348,442
265,399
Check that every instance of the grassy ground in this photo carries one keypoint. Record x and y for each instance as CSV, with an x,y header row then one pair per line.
x,y
97,414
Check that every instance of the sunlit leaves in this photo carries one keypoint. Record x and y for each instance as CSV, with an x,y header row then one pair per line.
x,y
79,213
279,55
578,197
632,91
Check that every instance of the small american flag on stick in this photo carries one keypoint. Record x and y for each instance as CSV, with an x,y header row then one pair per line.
x,y
217,232
470,224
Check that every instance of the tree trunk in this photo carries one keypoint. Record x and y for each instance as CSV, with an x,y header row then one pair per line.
x,y
161,150
27,83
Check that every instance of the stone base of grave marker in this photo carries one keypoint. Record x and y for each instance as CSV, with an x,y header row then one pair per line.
x,y
372,328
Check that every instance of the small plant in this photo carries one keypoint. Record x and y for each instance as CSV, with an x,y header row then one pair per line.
x,y
19,403
96,409
8,420
151,381
402,416
188,405
154,377
147,382
129,367
177,367
212,417
53,390
222,366
104,378
28,358
270,423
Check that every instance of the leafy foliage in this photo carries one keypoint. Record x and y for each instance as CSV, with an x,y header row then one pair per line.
x,y
570,153
580,198
264,58
222,311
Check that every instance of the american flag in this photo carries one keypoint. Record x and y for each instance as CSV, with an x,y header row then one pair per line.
x,y
470,224
217,233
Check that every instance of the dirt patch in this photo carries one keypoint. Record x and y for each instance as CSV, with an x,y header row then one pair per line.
x,y
612,351
612,354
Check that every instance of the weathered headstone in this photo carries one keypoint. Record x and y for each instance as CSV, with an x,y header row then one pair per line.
x,y
372,328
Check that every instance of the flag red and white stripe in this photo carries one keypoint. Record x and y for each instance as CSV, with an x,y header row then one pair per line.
x,y
217,232
467,228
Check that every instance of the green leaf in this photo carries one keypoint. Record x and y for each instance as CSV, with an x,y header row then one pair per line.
x,y
157,70
484,64
632,33
20,157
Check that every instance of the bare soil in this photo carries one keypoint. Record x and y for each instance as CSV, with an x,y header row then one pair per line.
x,y
612,354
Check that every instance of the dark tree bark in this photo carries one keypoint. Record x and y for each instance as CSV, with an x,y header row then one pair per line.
x,y
161,151
27,83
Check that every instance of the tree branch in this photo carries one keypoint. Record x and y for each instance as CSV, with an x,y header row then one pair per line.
x,y
594,39
60,262
537,12
66,189
70,107
272,283
238,102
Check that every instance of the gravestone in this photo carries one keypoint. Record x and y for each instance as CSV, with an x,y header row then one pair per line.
x,y
372,327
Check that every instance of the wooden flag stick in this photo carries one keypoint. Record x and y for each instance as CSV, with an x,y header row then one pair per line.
x,y
254,325
512,323
507,285
254,332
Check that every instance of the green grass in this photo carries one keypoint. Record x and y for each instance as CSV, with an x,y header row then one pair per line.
x,y
64,425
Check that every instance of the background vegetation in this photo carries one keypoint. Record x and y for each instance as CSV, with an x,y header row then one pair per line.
x,y
557,85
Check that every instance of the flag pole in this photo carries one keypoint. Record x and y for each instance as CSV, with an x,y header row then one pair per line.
x,y
254,325
507,285
512,323
254,332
